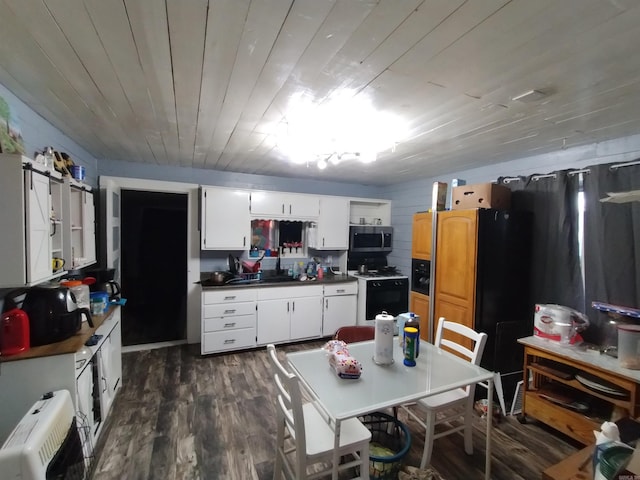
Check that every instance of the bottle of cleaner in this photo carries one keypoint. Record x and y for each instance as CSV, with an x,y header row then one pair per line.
x,y
414,321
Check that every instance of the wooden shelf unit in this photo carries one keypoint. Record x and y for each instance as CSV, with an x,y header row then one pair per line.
x,y
541,357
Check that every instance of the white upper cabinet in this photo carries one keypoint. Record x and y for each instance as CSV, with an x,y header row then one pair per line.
x,y
80,234
278,205
364,211
332,228
226,224
38,228
27,222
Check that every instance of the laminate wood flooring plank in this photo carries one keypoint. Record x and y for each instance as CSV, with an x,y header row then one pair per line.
x,y
180,415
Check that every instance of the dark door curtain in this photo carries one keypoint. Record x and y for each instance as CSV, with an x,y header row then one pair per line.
x,y
612,237
555,269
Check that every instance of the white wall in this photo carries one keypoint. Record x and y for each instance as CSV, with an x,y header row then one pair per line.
x,y
38,133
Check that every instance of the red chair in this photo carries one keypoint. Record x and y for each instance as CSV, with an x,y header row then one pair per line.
x,y
355,333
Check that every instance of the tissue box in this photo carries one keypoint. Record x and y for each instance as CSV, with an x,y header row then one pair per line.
x,y
481,195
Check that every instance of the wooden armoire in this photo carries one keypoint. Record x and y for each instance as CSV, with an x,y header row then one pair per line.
x,y
421,250
482,279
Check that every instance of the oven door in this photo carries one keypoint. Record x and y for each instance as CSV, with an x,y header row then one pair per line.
x,y
367,239
388,295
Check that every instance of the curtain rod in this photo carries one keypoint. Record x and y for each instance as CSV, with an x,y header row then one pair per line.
x,y
628,164
575,172
538,177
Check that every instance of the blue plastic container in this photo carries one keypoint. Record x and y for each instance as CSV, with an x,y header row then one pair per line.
x,y
78,172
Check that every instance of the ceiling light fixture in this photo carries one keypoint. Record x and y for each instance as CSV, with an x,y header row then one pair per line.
x,y
345,127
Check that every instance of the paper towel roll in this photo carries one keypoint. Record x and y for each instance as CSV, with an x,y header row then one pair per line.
x,y
383,339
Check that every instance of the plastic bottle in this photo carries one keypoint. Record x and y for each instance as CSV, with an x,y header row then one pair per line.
x,y
296,270
415,323
320,272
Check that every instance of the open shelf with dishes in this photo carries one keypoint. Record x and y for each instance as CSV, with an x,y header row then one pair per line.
x,y
575,392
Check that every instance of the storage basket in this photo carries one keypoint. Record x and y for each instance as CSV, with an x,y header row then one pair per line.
x,y
390,443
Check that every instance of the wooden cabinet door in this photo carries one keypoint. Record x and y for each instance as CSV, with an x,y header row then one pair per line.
x,y
419,304
225,219
333,224
306,317
339,311
456,256
303,206
421,236
38,227
273,321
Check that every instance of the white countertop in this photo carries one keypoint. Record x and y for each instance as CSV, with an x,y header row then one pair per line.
x,y
580,354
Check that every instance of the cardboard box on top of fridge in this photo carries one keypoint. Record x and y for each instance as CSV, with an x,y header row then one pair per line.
x,y
481,195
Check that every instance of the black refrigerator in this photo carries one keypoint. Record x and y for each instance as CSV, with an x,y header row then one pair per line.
x,y
500,302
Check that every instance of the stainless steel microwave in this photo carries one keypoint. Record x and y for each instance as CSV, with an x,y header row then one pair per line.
x,y
370,239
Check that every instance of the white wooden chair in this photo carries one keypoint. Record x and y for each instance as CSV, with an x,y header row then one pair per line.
x,y
308,434
458,404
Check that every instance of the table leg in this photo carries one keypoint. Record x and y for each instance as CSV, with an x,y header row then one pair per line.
x,y
487,462
336,448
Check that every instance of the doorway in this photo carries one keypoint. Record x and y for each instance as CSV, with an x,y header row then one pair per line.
x,y
154,247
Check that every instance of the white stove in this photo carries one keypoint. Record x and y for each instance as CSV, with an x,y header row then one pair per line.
x,y
386,291
376,274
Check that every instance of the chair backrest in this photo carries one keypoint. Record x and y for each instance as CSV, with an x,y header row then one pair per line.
x,y
478,340
289,403
355,333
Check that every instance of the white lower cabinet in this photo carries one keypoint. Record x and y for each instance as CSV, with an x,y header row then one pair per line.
x,y
340,307
228,320
289,313
238,318
92,376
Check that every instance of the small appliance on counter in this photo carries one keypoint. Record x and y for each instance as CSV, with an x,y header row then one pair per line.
x,y
559,323
105,282
52,311
14,332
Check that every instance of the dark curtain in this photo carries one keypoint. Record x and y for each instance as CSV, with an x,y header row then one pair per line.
x,y
555,269
612,241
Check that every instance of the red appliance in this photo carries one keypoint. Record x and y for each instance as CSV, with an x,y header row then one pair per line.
x,y
14,337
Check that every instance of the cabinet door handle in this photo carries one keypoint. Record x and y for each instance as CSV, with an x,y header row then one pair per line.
x,y
230,341
289,209
230,311
326,304
340,290
244,241
283,208
293,307
230,297
323,241
287,306
230,324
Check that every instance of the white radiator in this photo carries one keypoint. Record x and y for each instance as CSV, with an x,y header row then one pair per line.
x,y
38,439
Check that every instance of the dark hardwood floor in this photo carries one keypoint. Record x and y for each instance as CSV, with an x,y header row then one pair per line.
x,y
183,416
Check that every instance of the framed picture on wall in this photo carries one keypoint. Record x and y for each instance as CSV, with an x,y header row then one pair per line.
x,y
10,135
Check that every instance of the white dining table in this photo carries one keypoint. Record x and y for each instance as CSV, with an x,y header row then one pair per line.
x,y
383,386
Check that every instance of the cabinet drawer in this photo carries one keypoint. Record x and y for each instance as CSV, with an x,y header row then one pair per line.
x,y
228,309
228,340
228,296
350,288
570,423
275,293
229,323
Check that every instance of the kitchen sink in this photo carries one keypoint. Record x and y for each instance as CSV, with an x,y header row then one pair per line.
x,y
277,279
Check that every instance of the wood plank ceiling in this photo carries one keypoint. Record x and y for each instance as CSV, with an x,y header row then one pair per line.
x,y
207,83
